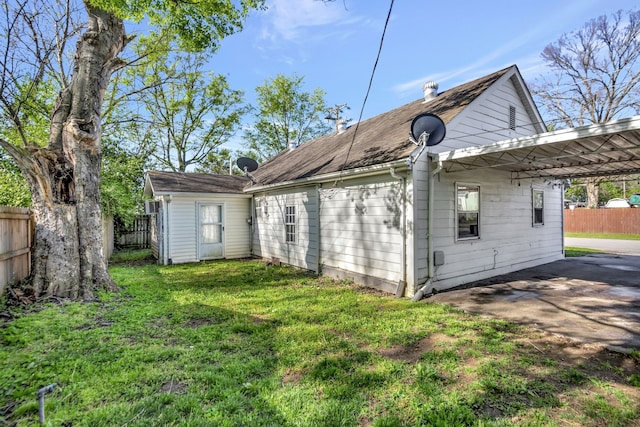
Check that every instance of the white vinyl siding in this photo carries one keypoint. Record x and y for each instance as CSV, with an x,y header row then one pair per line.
x,y
269,228
183,221
487,120
508,241
361,229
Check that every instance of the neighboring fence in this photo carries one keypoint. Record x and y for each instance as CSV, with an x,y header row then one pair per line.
x,y
614,220
16,235
16,230
135,236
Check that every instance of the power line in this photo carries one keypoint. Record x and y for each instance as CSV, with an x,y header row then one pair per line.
x,y
375,65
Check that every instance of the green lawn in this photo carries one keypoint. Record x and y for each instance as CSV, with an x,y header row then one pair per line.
x,y
576,252
242,344
615,236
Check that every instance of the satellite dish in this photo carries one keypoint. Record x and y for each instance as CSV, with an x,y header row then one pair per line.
x,y
247,164
428,129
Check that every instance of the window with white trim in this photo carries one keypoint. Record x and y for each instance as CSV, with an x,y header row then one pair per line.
x,y
537,197
290,223
467,211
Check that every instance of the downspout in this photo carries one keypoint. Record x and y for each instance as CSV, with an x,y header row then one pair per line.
x,y
252,220
430,209
165,221
318,252
403,258
563,189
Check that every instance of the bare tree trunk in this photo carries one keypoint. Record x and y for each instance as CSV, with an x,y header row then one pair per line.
x,y
64,177
592,192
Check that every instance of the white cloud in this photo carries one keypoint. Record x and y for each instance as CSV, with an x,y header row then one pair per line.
x,y
287,18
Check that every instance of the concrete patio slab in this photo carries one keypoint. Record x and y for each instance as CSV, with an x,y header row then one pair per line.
x,y
591,299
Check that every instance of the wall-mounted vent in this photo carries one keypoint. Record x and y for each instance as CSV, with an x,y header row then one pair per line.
x,y
512,117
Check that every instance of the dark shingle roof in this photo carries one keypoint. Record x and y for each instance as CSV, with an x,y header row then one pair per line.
x,y
186,182
380,139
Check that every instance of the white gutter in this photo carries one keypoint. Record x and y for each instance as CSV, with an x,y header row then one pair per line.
x,y
379,169
318,243
165,222
253,219
403,258
423,290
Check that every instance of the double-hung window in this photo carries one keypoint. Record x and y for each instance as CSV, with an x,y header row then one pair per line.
x,y
467,211
538,207
290,223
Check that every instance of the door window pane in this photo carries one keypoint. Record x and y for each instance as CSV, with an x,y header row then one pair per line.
x,y
211,233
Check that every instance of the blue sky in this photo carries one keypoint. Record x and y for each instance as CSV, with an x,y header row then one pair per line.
x,y
334,45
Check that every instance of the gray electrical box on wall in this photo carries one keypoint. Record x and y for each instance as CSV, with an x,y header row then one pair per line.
x,y
438,258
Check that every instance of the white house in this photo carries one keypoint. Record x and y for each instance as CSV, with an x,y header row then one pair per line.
x,y
198,216
368,203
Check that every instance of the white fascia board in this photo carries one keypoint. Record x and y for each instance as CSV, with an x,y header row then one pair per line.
x,y
219,195
378,169
562,135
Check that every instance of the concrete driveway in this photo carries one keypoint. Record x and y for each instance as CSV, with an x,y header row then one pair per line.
x,y
593,299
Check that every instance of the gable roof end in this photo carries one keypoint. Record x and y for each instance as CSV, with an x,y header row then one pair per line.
x,y
381,139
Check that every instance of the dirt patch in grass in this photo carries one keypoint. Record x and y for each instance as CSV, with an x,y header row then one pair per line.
x,y
291,377
174,387
196,322
412,353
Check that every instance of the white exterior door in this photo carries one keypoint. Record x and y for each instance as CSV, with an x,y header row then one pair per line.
x,y
210,231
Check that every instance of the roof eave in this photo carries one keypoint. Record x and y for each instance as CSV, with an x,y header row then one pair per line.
x,y
377,169
199,194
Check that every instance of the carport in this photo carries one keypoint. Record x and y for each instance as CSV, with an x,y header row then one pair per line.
x,y
605,149
590,299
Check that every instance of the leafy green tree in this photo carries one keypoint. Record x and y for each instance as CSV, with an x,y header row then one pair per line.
x,y
285,113
595,76
122,182
191,113
220,161
14,190
76,47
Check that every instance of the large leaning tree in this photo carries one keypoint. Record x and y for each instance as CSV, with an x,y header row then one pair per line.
x,y
63,170
595,76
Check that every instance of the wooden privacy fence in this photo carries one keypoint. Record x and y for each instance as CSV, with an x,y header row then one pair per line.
x,y
613,220
135,236
16,237
16,231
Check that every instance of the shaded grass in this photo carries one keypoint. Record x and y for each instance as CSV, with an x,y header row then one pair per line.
x,y
240,344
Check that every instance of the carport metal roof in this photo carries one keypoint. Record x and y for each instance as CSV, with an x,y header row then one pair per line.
x,y
606,149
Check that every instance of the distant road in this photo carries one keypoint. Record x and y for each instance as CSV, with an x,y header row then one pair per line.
x,y
629,247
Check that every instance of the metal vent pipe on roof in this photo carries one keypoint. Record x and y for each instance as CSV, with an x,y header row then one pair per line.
x,y
292,145
430,90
